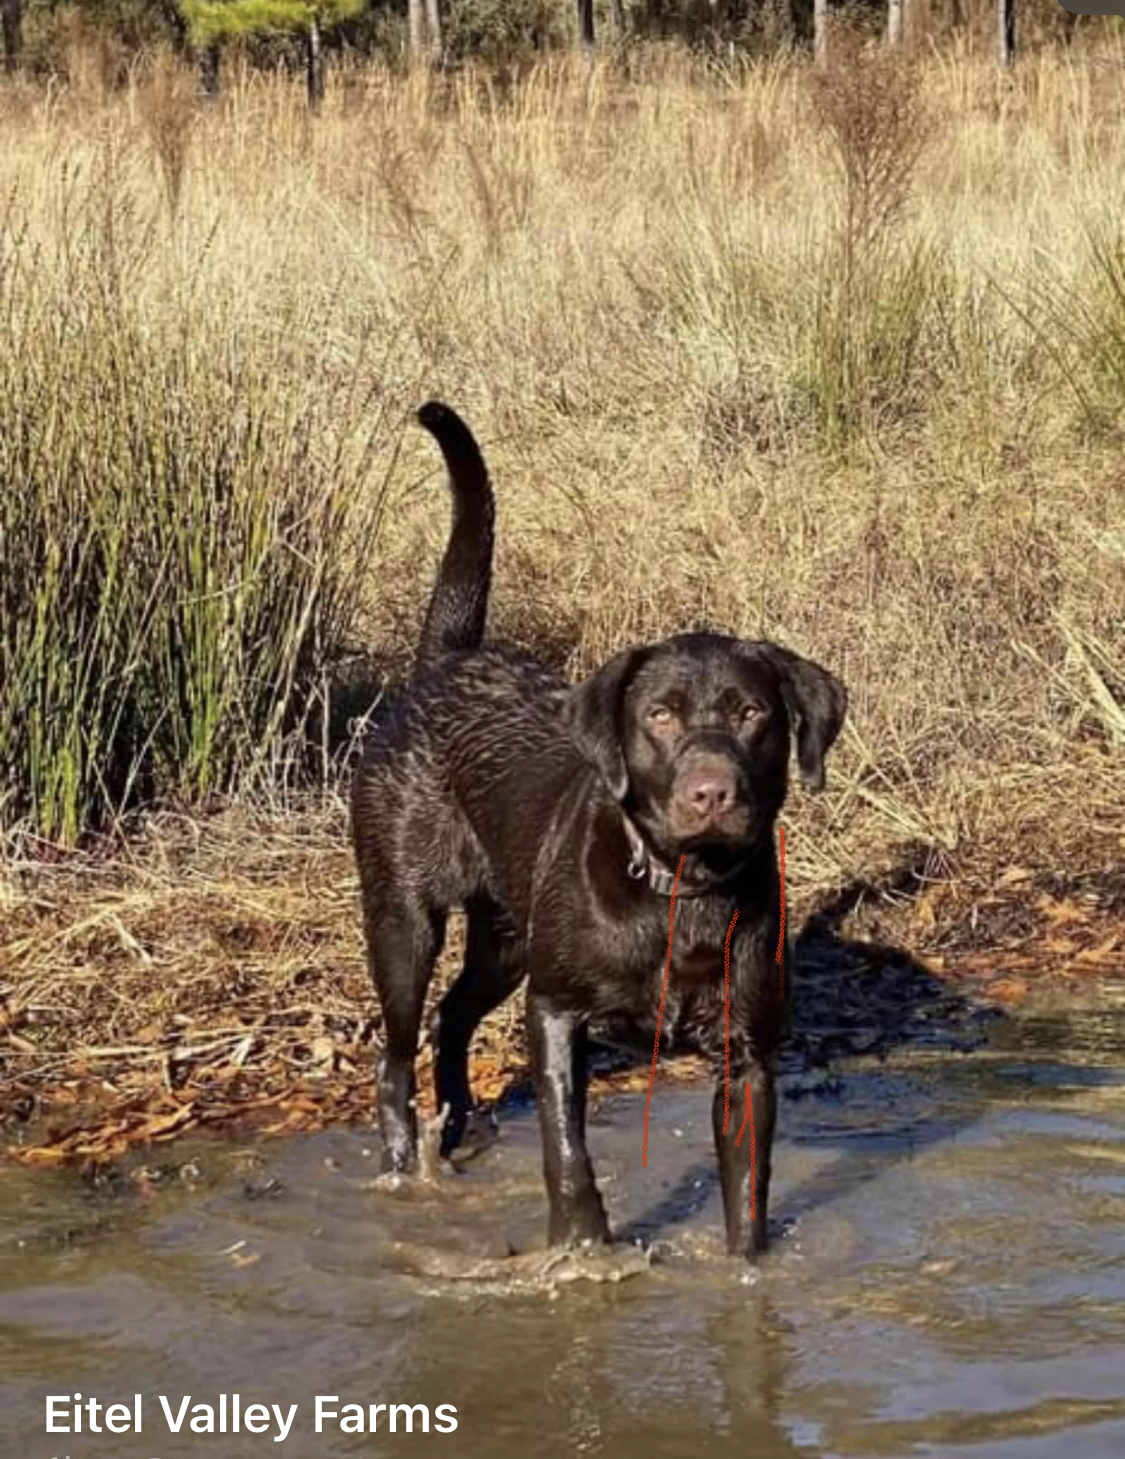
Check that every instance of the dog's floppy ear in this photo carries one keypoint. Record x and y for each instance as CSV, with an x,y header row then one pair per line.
x,y
592,713
817,702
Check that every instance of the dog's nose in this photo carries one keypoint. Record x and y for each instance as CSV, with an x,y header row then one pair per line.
x,y
709,792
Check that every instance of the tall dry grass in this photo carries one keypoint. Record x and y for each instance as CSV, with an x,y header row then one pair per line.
x,y
728,367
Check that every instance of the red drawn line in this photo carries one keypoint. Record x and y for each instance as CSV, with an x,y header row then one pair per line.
x,y
779,959
660,1010
749,1115
726,1023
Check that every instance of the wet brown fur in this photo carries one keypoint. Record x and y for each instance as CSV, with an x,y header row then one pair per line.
x,y
491,784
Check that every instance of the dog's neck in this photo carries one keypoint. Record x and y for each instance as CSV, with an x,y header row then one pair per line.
x,y
645,863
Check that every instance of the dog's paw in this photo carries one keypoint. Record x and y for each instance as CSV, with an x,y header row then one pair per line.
x,y
480,1133
430,1163
594,1262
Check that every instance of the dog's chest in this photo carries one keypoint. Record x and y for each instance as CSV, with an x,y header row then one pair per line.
x,y
695,990
695,961
697,950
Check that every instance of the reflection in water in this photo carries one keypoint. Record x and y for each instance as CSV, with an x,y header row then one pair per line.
x,y
947,1280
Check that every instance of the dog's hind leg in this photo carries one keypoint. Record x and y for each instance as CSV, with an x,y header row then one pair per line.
x,y
403,941
493,968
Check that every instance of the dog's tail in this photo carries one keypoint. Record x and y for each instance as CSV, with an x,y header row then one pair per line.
x,y
459,602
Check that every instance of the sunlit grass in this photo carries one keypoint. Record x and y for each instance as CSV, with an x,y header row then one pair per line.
x,y
703,398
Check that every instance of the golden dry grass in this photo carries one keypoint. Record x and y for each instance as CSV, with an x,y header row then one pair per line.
x,y
622,285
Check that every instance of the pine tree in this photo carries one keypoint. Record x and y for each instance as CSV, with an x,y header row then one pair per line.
x,y
210,22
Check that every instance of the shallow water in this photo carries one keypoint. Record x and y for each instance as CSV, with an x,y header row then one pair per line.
x,y
946,1279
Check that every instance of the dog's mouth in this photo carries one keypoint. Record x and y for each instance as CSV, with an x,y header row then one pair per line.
x,y
715,859
712,838
735,825
717,843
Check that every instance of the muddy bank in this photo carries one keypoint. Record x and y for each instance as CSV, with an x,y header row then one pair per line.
x,y
185,984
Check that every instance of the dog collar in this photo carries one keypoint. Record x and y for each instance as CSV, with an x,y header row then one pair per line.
x,y
662,880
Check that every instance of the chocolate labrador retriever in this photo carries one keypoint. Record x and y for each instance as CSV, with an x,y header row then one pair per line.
x,y
564,819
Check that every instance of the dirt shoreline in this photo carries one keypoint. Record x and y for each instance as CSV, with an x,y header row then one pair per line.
x,y
182,985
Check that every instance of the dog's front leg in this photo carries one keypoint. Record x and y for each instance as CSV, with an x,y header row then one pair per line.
x,y
744,1124
558,1052
744,1149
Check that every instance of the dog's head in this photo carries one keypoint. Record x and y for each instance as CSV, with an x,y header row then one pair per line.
x,y
692,735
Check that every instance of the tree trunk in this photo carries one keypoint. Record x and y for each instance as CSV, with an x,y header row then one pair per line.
x,y
620,25
314,65
1006,32
586,25
416,25
177,28
11,22
210,68
820,32
894,23
433,26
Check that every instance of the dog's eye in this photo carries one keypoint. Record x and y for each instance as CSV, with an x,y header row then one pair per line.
x,y
660,716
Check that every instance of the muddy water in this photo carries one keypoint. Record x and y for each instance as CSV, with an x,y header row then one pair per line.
x,y
947,1279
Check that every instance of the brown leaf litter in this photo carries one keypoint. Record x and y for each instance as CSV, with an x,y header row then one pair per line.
x,y
210,973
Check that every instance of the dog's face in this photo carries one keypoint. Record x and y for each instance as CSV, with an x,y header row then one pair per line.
x,y
692,736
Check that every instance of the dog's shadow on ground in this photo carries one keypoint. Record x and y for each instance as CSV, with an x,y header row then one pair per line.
x,y
850,998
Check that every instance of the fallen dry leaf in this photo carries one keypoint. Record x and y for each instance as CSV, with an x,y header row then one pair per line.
x,y
1007,990
1108,951
1056,911
12,1016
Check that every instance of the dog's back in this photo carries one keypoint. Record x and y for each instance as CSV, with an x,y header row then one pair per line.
x,y
474,743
